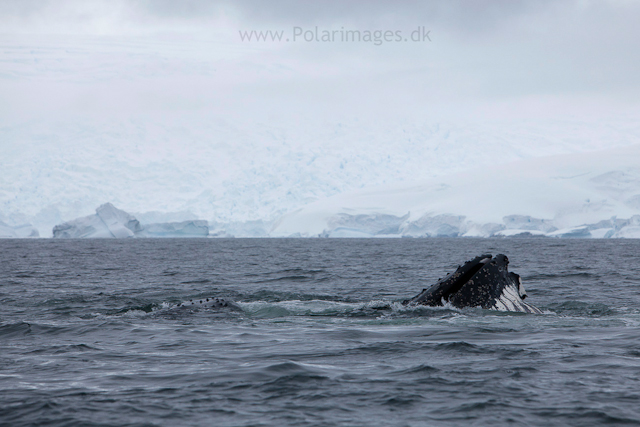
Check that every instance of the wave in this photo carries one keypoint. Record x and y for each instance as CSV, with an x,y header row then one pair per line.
x,y
583,309
20,329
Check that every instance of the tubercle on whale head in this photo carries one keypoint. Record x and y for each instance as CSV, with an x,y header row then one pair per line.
x,y
502,258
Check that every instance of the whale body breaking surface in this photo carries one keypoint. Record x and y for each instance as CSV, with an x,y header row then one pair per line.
x,y
481,282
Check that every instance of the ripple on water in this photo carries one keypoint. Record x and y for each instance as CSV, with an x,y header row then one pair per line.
x,y
88,337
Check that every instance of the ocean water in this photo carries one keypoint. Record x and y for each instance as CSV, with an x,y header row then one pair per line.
x,y
317,338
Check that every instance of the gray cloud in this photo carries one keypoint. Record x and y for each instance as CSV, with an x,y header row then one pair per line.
x,y
462,15
481,49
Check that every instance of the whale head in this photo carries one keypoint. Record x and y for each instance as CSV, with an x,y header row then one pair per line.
x,y
481,282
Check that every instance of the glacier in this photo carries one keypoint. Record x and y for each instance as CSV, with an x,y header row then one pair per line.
x,y
246,174
580,195
573,196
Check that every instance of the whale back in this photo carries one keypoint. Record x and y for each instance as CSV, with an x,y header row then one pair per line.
x,y
211,303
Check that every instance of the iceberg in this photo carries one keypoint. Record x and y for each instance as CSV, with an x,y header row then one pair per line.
x,y
630,232
519,233
572,232
630,228
107,222
257,228
445,225
18,232
344,225
111,222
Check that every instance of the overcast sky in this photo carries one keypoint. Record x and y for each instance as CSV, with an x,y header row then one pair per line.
x,y
502,57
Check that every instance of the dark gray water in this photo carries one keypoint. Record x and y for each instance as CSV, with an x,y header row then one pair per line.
x,y
319,339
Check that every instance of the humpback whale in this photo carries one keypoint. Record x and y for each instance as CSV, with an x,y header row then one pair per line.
x,y
481,282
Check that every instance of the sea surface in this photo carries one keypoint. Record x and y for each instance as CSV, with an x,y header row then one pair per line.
x,y
317,335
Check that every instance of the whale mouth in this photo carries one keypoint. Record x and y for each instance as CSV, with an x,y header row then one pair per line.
x,y
517,283
521,290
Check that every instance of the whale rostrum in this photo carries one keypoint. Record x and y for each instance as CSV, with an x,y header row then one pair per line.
x,y
481,282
